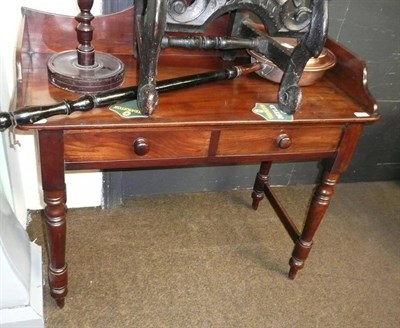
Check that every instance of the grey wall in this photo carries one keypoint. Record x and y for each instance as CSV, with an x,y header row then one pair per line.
x,y
113,6
369,28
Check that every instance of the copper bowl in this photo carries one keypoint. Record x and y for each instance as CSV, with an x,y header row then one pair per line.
x,y
314,70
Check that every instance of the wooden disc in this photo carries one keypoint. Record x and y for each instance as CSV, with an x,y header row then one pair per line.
x,y
65,72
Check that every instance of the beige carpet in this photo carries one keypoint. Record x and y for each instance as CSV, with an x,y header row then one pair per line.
x,y
209,260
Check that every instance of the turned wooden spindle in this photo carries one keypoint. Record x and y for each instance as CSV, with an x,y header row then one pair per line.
x,y
84,32
85,70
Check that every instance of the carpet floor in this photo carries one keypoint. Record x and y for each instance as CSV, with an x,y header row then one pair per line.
x,y
208,260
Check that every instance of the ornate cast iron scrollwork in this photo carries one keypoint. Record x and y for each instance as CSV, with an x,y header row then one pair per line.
x,y
280,15
305,20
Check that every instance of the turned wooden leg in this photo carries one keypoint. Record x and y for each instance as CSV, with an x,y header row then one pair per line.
x,y
316,212
323,195
56,233
51,145
261,179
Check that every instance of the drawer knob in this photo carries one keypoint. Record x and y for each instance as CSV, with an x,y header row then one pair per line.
x,y
140,146
283,141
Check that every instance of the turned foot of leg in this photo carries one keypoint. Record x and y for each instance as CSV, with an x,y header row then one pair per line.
x,y
60,302
295,266
257,197
58,279
300,254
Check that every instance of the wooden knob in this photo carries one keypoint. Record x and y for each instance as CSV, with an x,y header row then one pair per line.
x,y
283,141
140,146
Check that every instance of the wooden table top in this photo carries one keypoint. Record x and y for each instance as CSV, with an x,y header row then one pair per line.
x,y
335,99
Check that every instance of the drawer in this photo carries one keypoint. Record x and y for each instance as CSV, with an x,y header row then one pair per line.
x,y
136,145
276,140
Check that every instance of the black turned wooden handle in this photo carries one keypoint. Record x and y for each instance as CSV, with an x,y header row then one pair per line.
x,y
29,115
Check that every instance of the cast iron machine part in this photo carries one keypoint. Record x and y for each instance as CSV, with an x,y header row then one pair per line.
x,y
306,20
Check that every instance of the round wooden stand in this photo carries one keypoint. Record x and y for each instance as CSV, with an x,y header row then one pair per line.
x,y
84,70
65,72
